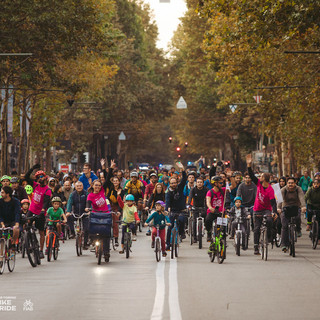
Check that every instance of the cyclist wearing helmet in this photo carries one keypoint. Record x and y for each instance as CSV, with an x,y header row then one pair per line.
x,y
40,201
5,181
265,202
18,191
29,191
129,216
215,200
56,213
134,186
159,218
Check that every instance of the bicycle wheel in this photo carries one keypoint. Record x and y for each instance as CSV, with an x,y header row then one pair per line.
x,y
173,239
200,234
238,240
99,250
2,255
265,243
127,244
176,246
262,232
213,252
11,259
278,240
221,251
56,248
31,253
23,243
158,250
49,246
78,244
315,231
292,241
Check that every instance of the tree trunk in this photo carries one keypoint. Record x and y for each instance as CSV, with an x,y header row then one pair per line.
x,y
48,159
4,131
23,120
279,152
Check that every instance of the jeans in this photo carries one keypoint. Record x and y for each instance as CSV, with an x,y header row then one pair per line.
x,y
180,222
195,216
234,227
257,218
132,227
285,218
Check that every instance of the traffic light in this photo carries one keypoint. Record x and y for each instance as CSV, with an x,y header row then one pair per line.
x,y
178,149
186,144
170,139
179,156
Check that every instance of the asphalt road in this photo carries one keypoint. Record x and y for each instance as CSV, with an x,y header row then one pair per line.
x,y
190,287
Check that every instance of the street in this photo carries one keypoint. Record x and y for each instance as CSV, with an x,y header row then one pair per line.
x,y
190,287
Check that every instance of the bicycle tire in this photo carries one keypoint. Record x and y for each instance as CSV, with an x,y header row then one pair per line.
x,y
11,260
127,244
278,240
315,231
292,244
99,250
55,248
245,242
32,257
23,244
262,244
113,244
176,246
238,244
2,255
36,248
158,250
265,245
173,239
191,231
212,254
221,249
200,234
78,244
49,247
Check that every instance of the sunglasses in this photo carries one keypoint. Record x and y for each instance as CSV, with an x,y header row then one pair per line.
x,y
42,176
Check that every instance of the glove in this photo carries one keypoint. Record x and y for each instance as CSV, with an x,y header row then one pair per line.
x,y
36,166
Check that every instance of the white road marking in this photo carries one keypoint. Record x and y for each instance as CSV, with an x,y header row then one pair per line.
x,y
160,291
174,306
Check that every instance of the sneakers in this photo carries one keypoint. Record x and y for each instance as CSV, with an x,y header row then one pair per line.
x,y
85,247
209,237
299,234
134,238
183,236
164,254
308,227
256,251
195,240
284,249
231,237
148,233
121,251
152,244
41,255
168,247
116,243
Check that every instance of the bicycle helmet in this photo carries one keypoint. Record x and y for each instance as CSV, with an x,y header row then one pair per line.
x,y
134,174
14,180
216,179
40,173
129,197
25,201
28,189
55,199
237,198
5,178
162,204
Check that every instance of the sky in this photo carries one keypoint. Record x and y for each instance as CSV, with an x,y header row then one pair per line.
x,y
167,16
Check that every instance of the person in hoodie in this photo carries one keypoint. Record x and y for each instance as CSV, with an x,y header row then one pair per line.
x,y
87,176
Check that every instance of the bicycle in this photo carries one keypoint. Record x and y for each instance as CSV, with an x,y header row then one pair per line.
x,y
127,243
218,245
7,253
314,233
241,238
157,243
79,233
174,240
264,241
31,242
52,242
199,225
292,228
190,225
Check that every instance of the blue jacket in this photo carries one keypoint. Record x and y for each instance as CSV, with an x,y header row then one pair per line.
x,y
159,219
85,181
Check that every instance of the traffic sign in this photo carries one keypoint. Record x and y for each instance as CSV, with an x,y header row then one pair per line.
x,y
257,98
122,136
233,107
182,104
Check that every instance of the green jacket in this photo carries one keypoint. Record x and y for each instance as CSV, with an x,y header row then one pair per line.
x,y
313,197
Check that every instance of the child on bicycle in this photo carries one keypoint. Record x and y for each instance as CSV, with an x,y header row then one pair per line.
x,y
236,212
56,213
129,216
159,218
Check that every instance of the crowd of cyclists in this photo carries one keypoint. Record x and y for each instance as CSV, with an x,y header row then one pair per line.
x,y
159,195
